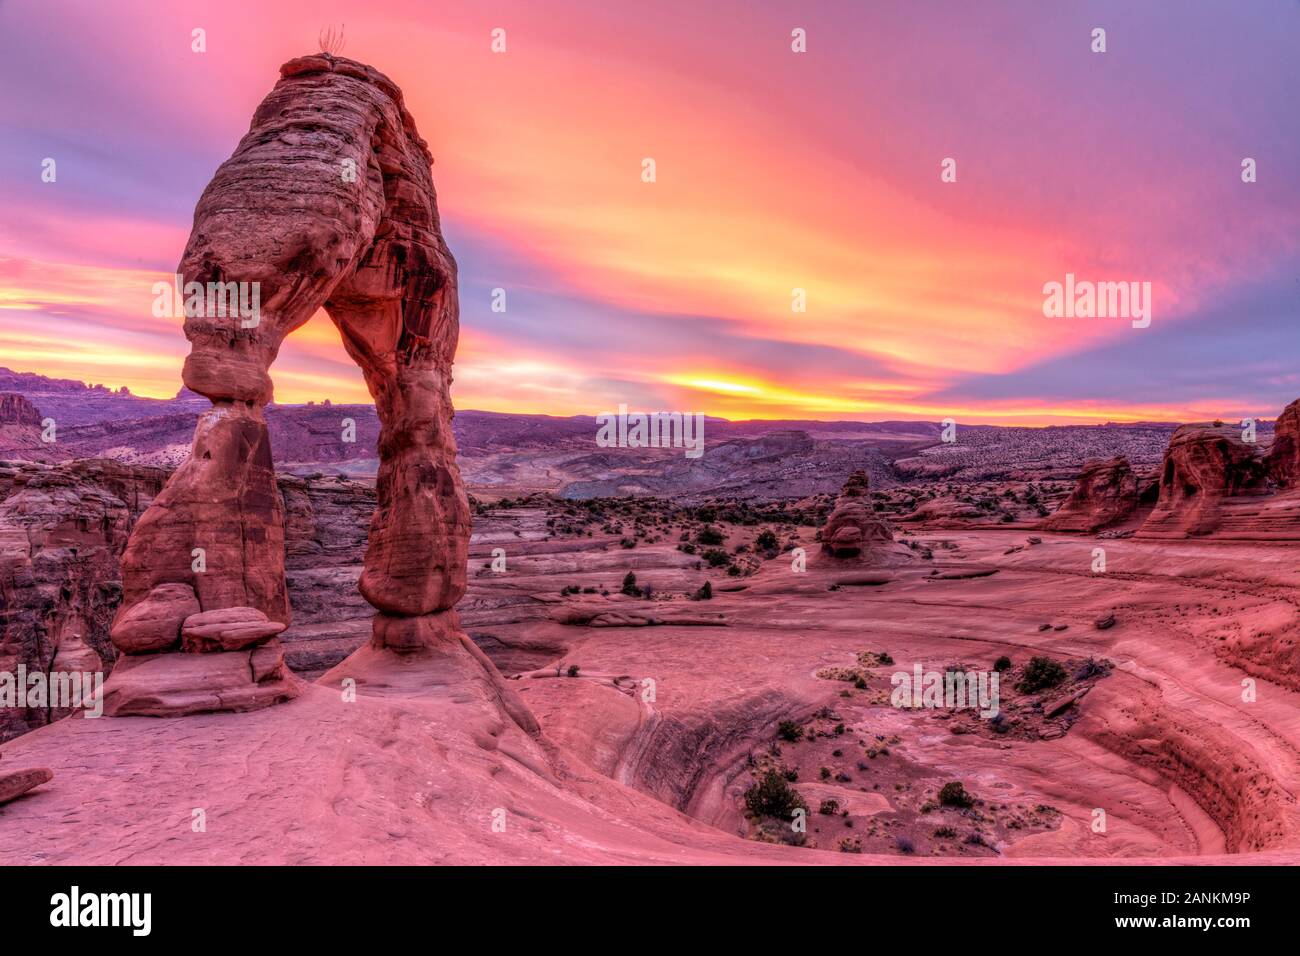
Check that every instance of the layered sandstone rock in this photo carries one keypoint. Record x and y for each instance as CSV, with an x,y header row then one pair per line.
x,y
1105,494
1283,462
854,530
327,203
62,530
1204,468
20,425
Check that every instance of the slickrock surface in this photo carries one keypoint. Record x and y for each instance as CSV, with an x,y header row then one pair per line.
x,y
413,769
1105,494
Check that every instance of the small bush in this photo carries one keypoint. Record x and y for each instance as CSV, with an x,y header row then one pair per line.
x,y
629,585
1003,663
904,844
709,535
829,807
573,670
790,731
716,558
1041,673
953,794
773,797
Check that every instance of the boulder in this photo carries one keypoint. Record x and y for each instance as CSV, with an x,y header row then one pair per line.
x,y
229,629
155,623
15,783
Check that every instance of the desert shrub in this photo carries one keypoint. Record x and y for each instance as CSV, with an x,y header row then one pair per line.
x,y
1041,673
772,796
829,807
904,844
790,731
629,585
766,540
573,670
716,557
709,535
1002,663
945,833
953,794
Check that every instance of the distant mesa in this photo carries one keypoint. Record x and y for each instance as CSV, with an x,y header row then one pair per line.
x,y
20,427
18,410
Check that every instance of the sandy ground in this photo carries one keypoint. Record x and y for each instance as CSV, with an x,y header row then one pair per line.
x,y
436,762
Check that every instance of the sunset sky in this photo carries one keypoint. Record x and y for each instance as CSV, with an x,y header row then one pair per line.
x,y
775,171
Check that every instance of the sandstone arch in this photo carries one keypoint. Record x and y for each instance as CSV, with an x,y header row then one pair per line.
x,y
327,202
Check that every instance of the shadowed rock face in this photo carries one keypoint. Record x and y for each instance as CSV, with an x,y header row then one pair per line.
x,y
1203,466
327,203
62,532
1284,457
1105,494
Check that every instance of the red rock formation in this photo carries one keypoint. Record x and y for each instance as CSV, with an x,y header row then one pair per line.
x,y
20,427
1105,494
62,529
854,530
1283,460
1204,466
327,203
